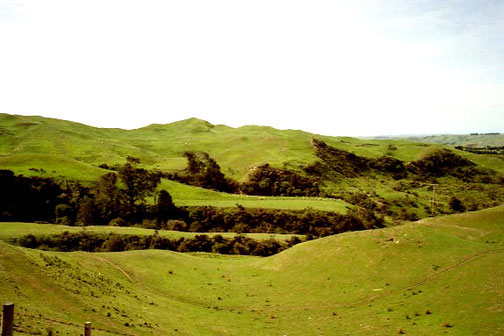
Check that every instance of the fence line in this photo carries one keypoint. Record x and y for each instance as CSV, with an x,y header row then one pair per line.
x,y
8,325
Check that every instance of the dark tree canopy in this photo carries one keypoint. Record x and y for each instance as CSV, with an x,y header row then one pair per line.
x,y
203,171
165,209
28,198
120,195
269,181
137,183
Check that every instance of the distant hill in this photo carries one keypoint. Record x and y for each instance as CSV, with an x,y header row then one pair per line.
x,y
37,146
471,140
161,145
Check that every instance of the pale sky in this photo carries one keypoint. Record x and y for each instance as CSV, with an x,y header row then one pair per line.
x,y
357,67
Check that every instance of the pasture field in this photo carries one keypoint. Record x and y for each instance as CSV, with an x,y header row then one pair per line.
x,y
184,195
440,276
9,230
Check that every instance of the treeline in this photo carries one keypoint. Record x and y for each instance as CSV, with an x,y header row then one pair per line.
x,y
336,164
307,222
28,199
268,181
499,150
92,242
120,199
203,171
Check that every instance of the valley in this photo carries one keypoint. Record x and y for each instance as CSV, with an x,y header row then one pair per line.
x,y
198,229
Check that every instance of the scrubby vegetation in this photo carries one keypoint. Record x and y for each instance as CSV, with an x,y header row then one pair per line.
x,y
423,187
268,181
203,171
265,180
120,199
92,242
336,163
310,222
496,150
383,187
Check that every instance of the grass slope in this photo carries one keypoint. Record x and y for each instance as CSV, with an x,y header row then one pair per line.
x,y
9,230
184,195
436,276
237,150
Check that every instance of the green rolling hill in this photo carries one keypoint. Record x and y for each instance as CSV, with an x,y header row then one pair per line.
x,y
475,140
433,277
236,149
37,146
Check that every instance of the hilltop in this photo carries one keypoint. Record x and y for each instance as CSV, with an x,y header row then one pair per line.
x,y
162,145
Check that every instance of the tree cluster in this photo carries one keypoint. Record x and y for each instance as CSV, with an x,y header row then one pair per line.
x,y
308,222
116,198
121,198
203,171
28,198
268,181
336,164
92,242
499,150
441,163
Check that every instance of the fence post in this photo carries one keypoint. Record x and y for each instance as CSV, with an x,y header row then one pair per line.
x,y
87,329
8,319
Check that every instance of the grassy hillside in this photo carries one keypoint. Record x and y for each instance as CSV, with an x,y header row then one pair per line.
x,y
9,230
185,195
436,276
62,149
236,149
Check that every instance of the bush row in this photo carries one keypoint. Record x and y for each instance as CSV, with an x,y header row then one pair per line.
x,y
91,242
308,221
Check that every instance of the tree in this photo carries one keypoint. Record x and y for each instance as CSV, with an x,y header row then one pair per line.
x,y
138,182
165,209
108,199
203,171
120,195
456,205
